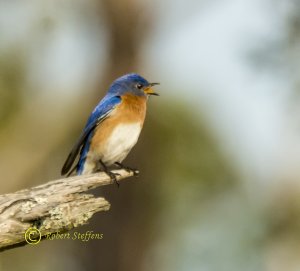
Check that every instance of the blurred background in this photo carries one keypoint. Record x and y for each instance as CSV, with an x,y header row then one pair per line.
x,y
219,153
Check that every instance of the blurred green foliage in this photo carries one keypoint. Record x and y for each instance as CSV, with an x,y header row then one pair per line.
x,y
12,81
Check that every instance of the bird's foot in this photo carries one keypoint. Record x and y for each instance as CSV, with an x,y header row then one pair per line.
x,y
128,169
113,177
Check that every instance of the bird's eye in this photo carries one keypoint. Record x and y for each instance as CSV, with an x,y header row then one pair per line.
x,y
139,86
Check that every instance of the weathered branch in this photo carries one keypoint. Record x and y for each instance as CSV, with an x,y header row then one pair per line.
x,y
56,206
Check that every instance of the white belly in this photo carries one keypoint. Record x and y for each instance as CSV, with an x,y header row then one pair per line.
x,y
121,141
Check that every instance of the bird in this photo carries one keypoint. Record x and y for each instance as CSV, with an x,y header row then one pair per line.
x,y
112,129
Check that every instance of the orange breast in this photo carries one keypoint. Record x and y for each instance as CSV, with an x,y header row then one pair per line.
x,y
132,109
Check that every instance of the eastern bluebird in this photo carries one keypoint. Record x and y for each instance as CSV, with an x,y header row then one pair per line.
x,y
113,127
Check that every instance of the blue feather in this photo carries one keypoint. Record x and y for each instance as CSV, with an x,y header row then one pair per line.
x,y
126,84
102,110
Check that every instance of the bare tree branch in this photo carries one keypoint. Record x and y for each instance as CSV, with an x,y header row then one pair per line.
x,y
56,206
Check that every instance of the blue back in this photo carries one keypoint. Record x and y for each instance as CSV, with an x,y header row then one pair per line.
x,y
100,112
126,84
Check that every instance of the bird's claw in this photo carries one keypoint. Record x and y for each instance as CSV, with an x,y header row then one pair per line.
x,y
113,177
135,171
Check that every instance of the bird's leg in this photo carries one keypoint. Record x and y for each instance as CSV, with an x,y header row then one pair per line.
x,y
134,170
109,173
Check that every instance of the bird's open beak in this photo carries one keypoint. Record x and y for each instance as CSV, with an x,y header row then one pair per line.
x,y
148,90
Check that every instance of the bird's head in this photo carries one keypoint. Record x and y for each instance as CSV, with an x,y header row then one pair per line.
x,y
134,84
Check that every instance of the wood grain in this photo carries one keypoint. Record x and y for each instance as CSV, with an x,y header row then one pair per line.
x,y
54,207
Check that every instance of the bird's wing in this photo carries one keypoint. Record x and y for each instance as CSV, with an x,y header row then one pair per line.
x,y
101,112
